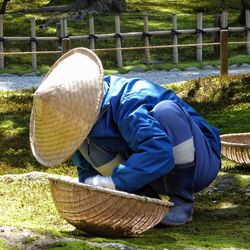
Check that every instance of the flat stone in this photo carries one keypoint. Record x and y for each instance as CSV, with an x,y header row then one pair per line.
x,y
156,62
245,66
136,69
227,184
191,248
174,70
30,74
192,69
7,75
26,239
208,67
234,66
31,176
230,248
209,190
116,246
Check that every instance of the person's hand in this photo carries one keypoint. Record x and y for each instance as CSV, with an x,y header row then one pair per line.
x,y
101,181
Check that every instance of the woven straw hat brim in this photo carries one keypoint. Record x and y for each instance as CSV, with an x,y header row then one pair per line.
x,y
103,211
66,106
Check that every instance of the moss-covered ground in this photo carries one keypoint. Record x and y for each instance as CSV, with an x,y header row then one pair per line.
x,y
160,18
222,212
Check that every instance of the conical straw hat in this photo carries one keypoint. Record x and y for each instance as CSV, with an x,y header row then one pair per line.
x,y
66,106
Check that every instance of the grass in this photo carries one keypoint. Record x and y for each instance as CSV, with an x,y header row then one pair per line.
x,y
185,6
223,101
2,245
15,154
43,69
160,18
220,219
29,214
233,60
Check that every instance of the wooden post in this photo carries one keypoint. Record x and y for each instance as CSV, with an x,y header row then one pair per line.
x,y
62,28
1,43
248,30
199,37
65,27
92,32
58,34
175,40
65,45
146,40
224,43
58,30
224,21
217,23
118,41
224,52
33,44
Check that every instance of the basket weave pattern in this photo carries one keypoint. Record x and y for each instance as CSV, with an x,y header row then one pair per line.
x,y
105,212
236,147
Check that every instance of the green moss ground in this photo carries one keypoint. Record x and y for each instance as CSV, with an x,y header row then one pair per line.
x,y
221,218
160,18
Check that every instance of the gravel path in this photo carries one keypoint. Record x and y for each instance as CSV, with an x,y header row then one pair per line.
x,y
14,82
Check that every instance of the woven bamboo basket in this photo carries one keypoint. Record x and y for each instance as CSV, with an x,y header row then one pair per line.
x,y
236,147
103,211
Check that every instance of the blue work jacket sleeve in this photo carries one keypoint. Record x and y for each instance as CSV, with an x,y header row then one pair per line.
x,y
152,151
84,169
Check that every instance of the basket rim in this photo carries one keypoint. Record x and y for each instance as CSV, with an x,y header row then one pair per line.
x,y
65,179
234,143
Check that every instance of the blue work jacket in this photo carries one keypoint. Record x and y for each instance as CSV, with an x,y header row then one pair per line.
x,y
125,126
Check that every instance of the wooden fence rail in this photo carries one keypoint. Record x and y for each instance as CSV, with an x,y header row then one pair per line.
x,y
62,32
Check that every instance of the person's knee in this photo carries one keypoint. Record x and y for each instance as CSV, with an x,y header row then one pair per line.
x,y
175,122
167,109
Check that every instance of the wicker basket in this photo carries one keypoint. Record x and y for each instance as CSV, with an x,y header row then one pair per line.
x,y
236,147
103,211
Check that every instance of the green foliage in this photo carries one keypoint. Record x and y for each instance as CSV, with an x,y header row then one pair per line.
x,y
77,245
15,109
213,93
185,6
15,5
2,245
149,6
29,214
160,18
223,100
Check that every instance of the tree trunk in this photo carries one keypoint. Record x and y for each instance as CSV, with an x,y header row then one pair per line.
x,y
101,6
3,7
245,4
80,8
61,9
93,6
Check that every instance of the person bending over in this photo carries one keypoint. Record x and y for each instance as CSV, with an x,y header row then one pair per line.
x,y
130,135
